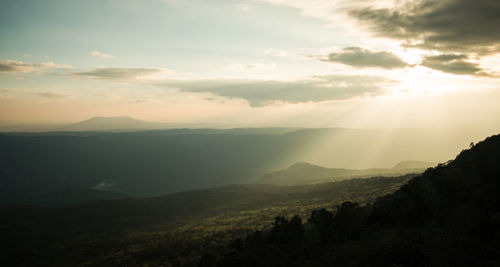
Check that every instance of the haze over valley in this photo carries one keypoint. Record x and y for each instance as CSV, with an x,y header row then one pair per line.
x,y
126,161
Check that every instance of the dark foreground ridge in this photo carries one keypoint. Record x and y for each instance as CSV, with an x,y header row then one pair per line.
x,y
448,216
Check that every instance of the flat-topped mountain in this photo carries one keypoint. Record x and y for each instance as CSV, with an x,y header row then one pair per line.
x,y
113,124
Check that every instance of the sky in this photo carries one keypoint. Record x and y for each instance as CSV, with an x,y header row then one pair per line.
x,y
249,63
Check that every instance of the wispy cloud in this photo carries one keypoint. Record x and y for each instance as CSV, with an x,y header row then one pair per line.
x,y
331,11
13,66
125,73
50,95
101,55
284,54
254,66
269,92
245,7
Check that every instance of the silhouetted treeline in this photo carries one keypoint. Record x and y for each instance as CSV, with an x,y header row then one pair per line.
x,y
449,216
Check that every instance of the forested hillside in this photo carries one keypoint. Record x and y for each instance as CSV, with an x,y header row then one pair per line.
x,y
173,229
449,216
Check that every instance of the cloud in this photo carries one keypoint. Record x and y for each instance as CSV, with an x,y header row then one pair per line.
x,y
254,66
49,95
452,63
445,25
124,73
283,54
101,55
327,10
363,58
262,93
244,7
13,66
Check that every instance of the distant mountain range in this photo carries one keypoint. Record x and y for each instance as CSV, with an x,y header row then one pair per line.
x,y
306,173
128,124
121,123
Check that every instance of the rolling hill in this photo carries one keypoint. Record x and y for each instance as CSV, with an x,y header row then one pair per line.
x,y
306,173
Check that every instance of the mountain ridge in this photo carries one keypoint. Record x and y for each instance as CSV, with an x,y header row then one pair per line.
x,y
301,173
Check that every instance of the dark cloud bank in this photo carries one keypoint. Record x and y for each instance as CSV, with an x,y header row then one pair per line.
x,y
457,29
463,26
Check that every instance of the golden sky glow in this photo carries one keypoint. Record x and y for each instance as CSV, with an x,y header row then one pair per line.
x,y
238,63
